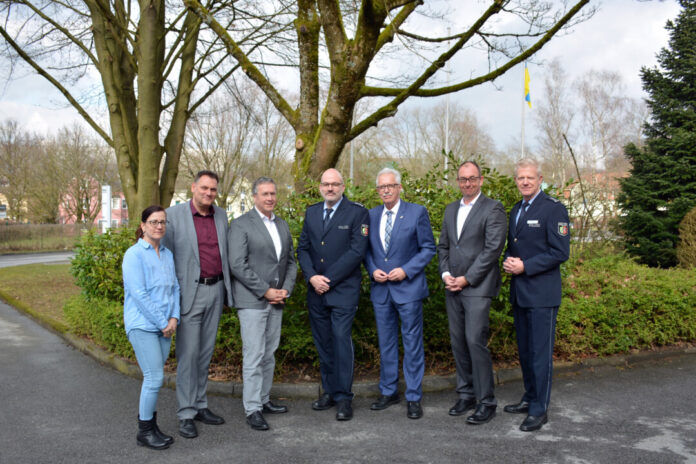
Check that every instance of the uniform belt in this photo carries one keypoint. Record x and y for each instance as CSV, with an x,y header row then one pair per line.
x,y
210,280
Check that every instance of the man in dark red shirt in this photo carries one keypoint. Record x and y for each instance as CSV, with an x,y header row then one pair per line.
x,y
196,235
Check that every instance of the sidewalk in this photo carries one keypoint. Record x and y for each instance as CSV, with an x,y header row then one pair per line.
x,y
60,406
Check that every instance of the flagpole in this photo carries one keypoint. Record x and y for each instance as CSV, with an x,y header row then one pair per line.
x,y
522,131
524,94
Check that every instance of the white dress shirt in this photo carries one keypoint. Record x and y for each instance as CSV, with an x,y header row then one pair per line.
x,y
462,214
383,221
464,210
272,229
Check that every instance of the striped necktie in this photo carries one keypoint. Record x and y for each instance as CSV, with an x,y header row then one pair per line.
x,y
387,230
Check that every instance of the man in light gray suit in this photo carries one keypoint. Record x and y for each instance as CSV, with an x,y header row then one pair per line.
x,y
197,236
471,240
262,262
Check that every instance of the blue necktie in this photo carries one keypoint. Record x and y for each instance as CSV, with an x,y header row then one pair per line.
x,y
523,211
327,217
387,230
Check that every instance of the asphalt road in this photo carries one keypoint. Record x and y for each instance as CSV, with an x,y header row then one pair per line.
x,y
60,406
33,258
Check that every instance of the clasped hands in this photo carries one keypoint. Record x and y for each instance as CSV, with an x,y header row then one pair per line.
x,y
513,265
395,275
276,295
455,284
320,283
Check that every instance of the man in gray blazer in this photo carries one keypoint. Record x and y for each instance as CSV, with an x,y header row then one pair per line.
x,y
197,236
471,240
262,262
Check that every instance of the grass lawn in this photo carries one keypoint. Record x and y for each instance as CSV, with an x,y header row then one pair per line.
x,y
39,289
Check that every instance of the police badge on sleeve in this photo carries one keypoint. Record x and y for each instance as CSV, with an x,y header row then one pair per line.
x,y
563,228
364,230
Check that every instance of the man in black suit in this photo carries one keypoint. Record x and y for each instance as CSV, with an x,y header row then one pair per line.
x,y
538,242
332,245
471,240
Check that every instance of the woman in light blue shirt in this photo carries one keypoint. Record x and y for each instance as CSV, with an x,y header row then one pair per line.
x,y
150,314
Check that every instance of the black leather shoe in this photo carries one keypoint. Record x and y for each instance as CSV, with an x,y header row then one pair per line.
x,y
462,406
384,401
147,436
166,438
187,428
520,408
483,414
206,416
324,402
270,408
256,421
344,410
414,410
532,423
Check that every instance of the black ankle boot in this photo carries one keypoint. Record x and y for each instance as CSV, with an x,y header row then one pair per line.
x,y
168,439
147,436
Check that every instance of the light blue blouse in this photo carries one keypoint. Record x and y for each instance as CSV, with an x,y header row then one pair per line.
x,y
150,286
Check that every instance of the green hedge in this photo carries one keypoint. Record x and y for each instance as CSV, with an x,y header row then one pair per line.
x,y
611,304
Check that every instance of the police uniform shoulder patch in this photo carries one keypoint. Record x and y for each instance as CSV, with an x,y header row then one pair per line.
x,y
364,229
359,204
563,228
555,200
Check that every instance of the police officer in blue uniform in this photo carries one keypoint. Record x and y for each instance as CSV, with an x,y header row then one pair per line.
x,y
332,246
538,242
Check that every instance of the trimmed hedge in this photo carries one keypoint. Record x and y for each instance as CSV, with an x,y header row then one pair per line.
x,y
611,304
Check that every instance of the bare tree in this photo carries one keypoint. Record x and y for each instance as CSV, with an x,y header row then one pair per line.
x,y
241,136
220,138
47,186
416,137
156,61
18,151
554,117
610,119
86,164
344,47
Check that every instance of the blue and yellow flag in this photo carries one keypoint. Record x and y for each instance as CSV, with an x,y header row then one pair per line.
x,y
527,98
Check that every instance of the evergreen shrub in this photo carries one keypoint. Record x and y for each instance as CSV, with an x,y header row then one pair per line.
x,y
611,304
686,248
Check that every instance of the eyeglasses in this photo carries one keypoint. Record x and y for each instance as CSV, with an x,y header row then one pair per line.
x,y
331,184
157,223
470,180
387,187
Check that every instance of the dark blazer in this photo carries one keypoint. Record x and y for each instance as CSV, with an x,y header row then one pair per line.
x,y
254,263
411,248
335,253
181,239
541,239
475,254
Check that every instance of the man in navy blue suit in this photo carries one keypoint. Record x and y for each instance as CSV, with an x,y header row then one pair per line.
x,y
330,250
401,245
538,242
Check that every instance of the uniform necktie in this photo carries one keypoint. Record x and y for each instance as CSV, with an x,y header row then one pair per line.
x,y
387,230
523,210
327,217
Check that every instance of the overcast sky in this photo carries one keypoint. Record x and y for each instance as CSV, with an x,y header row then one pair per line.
x,y
623,36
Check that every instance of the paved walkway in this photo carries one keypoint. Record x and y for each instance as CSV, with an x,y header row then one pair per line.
x,y
60,406
53,257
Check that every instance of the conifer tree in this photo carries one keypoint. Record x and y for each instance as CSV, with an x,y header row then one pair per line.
x,y
662,185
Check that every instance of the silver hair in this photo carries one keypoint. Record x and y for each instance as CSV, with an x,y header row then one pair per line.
x,y
397,175
527,162
259,181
